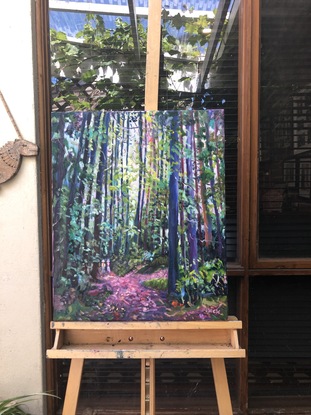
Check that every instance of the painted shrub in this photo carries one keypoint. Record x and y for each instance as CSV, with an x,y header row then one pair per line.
x,y
138,216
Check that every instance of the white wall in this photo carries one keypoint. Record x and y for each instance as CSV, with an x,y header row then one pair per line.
x,y
21,340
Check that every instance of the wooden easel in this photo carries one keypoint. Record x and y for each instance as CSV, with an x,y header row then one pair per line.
x,y
147,341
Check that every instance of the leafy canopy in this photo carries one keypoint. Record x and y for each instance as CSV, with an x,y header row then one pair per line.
x,y
98,69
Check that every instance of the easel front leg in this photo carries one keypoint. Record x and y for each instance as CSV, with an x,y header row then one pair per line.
x,y
73,387
147,387
221,386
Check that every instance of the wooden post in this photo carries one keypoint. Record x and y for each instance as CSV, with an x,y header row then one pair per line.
x,y
153,55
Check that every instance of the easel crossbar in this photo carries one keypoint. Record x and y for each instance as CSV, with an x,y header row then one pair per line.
x,y
140,351
231,323
96,340
146,340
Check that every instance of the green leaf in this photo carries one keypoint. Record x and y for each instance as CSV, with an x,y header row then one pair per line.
x,y
184,78
89,75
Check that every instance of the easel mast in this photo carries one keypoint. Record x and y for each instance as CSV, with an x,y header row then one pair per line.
x,y
151,104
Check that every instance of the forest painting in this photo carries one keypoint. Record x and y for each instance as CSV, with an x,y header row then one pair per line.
x,y
138,216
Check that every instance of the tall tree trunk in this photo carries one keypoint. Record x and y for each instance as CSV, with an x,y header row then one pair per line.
x,y
163,187
126,191
182,204
77,195
60,246
112,193
219,240
191,208
121,213
137,220
206,216
197,189
89,189
117,185
75,181
74,205
173,271
98,233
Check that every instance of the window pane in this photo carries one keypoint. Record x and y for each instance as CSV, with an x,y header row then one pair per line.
x,y
285,130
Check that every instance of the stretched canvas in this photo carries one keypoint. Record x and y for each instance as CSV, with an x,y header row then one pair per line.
x,y
138,216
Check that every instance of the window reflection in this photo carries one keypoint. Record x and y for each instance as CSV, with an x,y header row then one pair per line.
x,y
285,125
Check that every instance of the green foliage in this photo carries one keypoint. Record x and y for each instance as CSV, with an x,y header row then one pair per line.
x,y
79,64
157,284
74,311
12,406
76,65
193,28
193,286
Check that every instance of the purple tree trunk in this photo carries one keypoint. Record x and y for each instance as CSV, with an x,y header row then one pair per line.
x,y
191,210
173,272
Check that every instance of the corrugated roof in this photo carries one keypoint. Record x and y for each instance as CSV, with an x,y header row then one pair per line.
x,y
70,20
172,4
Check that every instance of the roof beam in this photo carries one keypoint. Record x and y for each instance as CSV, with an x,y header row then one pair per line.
x,y
231,22
133,18
214,39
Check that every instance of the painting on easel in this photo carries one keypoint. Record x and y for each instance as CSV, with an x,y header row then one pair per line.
x,y
138,216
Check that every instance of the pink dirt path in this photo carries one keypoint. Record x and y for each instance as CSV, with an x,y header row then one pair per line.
x,y
129,299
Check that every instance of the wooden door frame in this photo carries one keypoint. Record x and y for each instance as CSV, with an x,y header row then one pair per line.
x,y
44,132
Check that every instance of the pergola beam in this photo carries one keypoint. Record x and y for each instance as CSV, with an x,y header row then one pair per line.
x,y
231,22
133,18
153,56
212,44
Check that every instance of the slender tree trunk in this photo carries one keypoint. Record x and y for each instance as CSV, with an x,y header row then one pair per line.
x,y
121,237
117,186
206,216
147,188
182,205
60,242
137,220
173,271
191,215
77,196
219,241
89,189
163,194
127,192
112,194
75,181
197,191
98,234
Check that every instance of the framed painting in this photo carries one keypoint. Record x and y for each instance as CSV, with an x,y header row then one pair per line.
x,y
138,216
